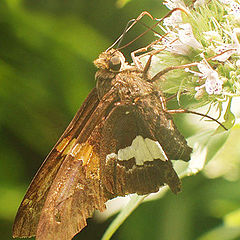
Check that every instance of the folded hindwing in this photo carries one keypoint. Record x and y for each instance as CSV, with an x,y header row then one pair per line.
x,y
132,160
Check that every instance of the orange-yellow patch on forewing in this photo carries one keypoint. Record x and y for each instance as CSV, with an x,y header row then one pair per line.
x,y
93,167
69,147
75,150
84,152
60,147
89,158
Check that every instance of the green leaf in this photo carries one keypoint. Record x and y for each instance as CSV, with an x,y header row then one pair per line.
x,y
225,162
229,118
221,233
232,219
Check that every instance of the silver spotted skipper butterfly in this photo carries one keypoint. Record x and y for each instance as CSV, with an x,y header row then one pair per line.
x,y
121,141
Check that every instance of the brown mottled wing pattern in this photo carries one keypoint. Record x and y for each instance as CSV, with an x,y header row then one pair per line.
x,y
28,215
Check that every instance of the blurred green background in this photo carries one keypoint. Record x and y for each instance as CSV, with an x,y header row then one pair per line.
x,y
46,71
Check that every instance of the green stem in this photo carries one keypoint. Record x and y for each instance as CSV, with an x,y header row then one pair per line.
x,y
134,202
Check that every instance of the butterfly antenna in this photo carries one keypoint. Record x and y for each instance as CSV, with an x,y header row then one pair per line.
x,y
120,38
129,25
132,22
152,27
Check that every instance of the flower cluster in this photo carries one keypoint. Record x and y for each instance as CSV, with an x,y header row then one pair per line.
x,y
205,35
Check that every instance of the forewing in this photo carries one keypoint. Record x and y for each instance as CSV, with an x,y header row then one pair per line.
x,y
28,214
76,190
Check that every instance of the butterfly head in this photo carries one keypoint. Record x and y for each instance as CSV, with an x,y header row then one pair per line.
x,y
112,60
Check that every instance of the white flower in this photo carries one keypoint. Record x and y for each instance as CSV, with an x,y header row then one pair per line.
x,y
171,4
180,41
174,20
213,84
226,54
235,34
220,41
198,159
186,36
232,8
199,3
218,45
235,9
174,45
225,1
238,63
178,47
212,35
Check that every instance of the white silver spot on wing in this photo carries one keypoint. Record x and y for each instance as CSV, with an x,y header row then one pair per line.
x,y
111,156
75,150
155,149
143,150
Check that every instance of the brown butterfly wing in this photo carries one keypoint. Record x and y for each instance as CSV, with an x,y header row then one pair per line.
x,y
126,130
76,190
74,195
27,218
88,177
139,141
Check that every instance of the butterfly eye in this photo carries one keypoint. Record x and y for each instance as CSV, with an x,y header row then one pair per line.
x,y
115,63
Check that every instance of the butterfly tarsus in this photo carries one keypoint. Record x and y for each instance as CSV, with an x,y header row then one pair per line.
x,y
181,110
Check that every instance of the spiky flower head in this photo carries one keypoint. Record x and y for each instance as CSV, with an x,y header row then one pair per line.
x,y
203,37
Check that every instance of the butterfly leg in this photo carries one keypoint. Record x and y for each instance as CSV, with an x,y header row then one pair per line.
x,y
136,59
180,110
196,113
